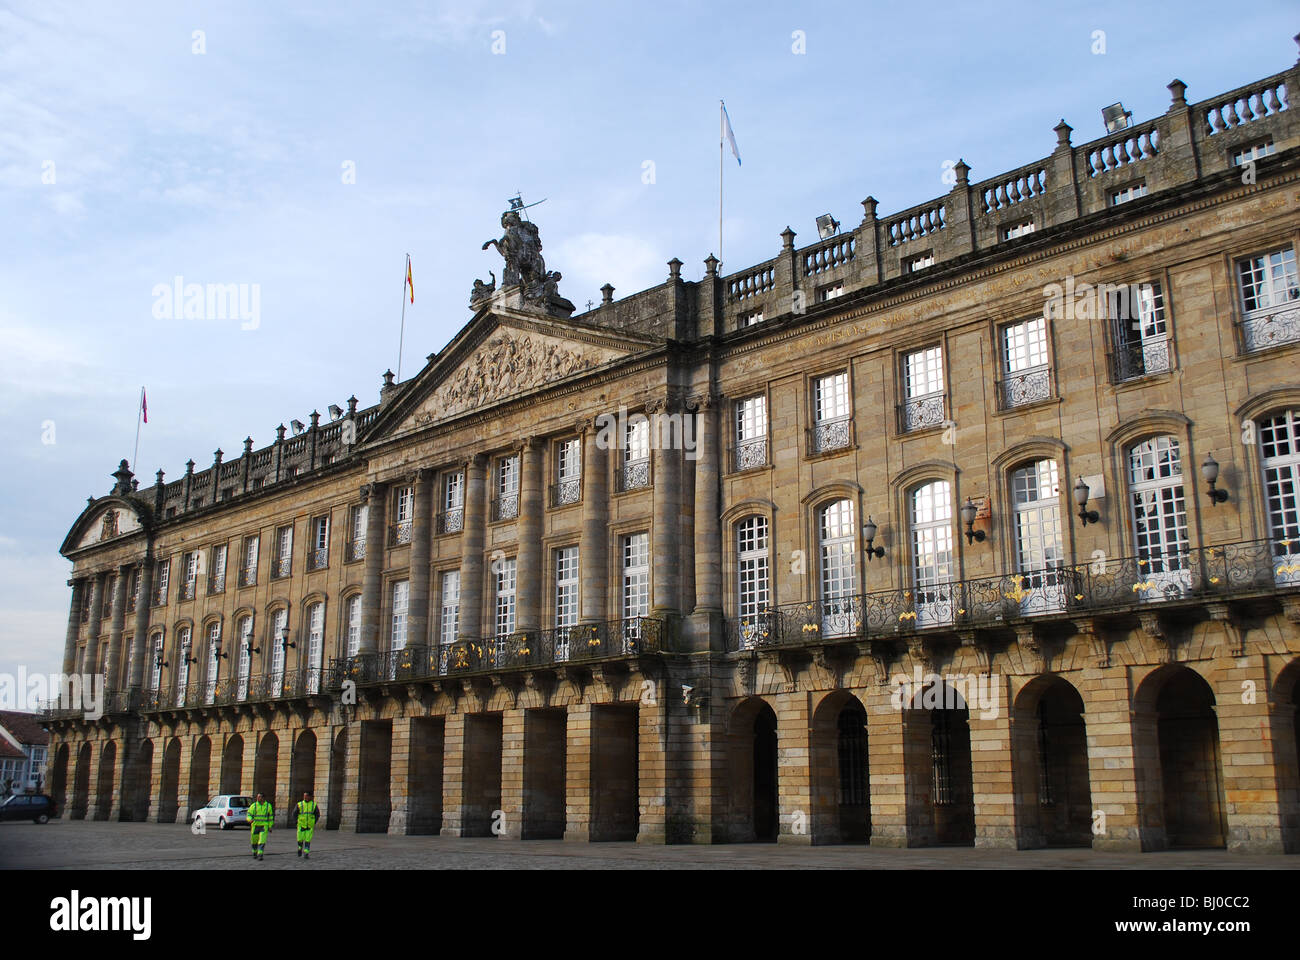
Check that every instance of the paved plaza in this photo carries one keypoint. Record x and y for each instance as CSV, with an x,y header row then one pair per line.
x,y
86,845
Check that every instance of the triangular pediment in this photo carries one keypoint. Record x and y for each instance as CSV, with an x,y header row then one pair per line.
x,y
501,355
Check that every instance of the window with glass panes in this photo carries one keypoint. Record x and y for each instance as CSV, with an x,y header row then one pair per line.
x,y
751,432
931,521
244,631
566,586
752,567
155,662
506,581
279,623
182,663
397,631
507,477
283,551
1036,506
354,624
189,574
1268,280
449,616
569,458
831,397
403,499
217,573
636,575
160,583
838,573
1024,345
637,440
315,635
923,372
1155,475
248,576
1279,441
320,541
214,660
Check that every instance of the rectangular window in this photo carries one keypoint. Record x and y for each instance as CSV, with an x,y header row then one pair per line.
x,y
751,433
403,509
568,472
217,569
831,397
1137,315
283,551
750,318
923,404
449,619
451,518
1269,291
189,574
506,504
319,551
505,597
279,628
753,580
636,576
397,633
1131,192
636,454
354,625
830,292
356,547
919,262
566,587
160,583
248,568
1017,230
1254,152
132,590
1025,374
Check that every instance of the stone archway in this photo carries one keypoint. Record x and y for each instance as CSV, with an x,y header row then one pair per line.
x,y
137,784
1050,754
1285,724
752,799
1176,734
80,785
302,771
232,766
169,792
937,768
104,782
266,767
841,802
200,772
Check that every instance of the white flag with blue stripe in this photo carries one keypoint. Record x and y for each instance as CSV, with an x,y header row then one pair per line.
x,y
731,137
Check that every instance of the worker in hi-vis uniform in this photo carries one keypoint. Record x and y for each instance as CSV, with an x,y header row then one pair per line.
x,y
308,814
260,816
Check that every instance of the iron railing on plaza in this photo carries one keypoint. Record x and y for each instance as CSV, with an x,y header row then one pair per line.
x,y
589,641
1195,575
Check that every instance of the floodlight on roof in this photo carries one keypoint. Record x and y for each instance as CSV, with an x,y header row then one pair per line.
x,y
1115,117
827,226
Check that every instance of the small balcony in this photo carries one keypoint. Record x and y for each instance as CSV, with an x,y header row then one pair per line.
x,y
922,413
247,576
634,474
187,589
354,550
1132,361
399,533
217,583
282,568
318,558
566,492
828,436
505,508
1025,387
451,521
1270,328
749,455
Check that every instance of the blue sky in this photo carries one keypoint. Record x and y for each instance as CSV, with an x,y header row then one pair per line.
x,y
227,166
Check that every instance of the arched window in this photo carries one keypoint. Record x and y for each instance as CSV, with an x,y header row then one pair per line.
x,y
279,623
753,580
1036,516
155,662
1279,440
838,569
315,645
244,631
182,664
354,625
1155,475
930,519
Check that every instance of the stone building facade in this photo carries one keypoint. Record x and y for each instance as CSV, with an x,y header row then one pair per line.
x,y
974,524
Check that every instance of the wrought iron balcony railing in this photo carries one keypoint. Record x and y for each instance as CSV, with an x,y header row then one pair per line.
x,y
247,576
355,550
283,567
634,474
217,582
187,589
593,641
399,533
749,454
828,435
566,492
1270,329
318,558
505,508
451,521
1129,361
921,413
1125,584
1025,387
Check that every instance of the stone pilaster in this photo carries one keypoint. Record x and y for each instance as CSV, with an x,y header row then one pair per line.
x,y
117,622
665,552
375,496
473,540
794,768
453,776
529,528
1256,810
183,780
593,546
513,796
74,624
992,769
652,766
140,639
283,765
1114,758
399,782
706,619
886,771
577,771
421,534
352,778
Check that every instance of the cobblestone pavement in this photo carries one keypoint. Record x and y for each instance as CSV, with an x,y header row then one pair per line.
x,y
82,845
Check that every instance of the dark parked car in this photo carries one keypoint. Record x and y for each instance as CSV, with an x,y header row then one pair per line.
x,y
36,807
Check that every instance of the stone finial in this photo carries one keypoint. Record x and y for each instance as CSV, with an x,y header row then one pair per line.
x,y
1177,89
711,266
123,477
279,434
962,169
674,270
787,239
388,378
1063,131
189,466
869,208
248,445
606,294
352,406
387,389
135,485
315,419
90,499
216,461
158,481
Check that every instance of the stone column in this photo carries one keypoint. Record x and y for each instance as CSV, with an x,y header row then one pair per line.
x,y
183,780
113,668
513,795
706,619
140,639
90,664
577,770
652,767
471,557
453,776
74,624
885,768
666,529
399,786
374,496
529,530
421,537
593,545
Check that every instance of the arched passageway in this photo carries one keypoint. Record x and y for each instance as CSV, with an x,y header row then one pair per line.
x,y
1053,790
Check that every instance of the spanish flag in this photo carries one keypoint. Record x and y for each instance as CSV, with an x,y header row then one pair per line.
x,y
409,282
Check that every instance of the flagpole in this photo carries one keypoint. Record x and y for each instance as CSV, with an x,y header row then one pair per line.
x,y
722,133
401,338
139,409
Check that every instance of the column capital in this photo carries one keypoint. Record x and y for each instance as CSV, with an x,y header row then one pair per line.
x,y
372,489
423,474
704,401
